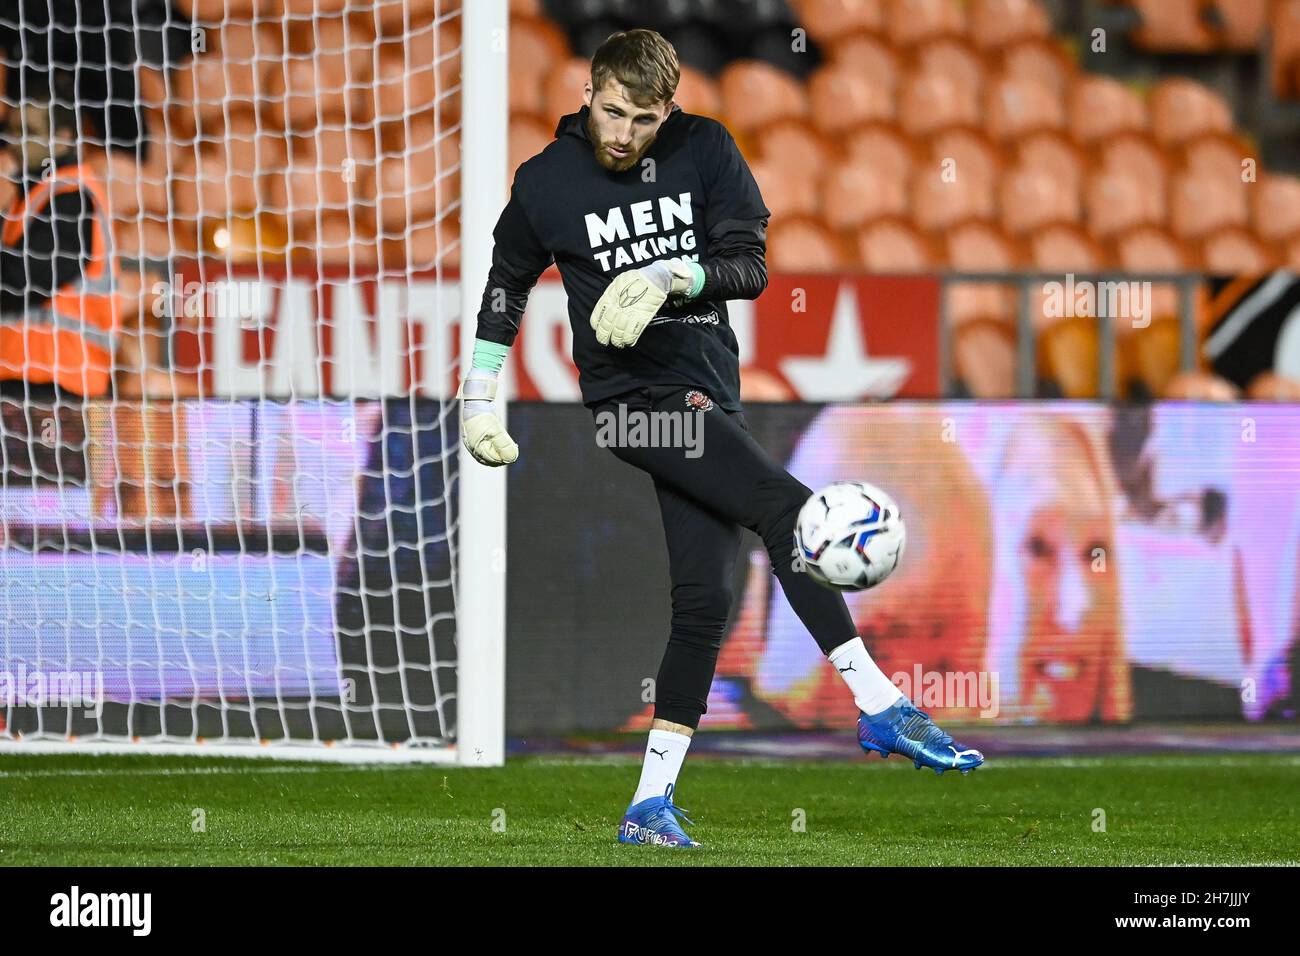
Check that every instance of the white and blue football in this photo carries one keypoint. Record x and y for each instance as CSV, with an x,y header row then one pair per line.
x,y
849,536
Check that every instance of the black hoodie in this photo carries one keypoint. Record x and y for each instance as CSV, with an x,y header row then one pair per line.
x,y
692,195
53,249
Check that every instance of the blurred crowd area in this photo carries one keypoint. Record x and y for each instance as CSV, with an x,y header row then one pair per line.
x,y
891,136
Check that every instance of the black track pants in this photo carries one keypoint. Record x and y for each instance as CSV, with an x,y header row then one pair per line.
x,y
712,479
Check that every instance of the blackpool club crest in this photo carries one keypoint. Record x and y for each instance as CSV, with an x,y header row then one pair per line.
x,y
698,400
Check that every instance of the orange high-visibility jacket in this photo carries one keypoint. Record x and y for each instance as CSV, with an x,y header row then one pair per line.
x,y
69,341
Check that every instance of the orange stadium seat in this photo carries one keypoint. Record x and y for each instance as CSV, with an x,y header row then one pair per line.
x,y
151,88
1235,251
343,239
930,102
1182,109
803,245
856,192
1245,24
227,75
786,190
392,18
996,23
939,203
204,190
323,82
892,246
1054,152
563,88
952,57
1040,59
1068,353
796,145
1068,346
828,20
1275,211
410,188
538,49
984,354
1033,198
215,11
420,132
528,136
301,9
1200,203
1150,249
756,93
423,246
977,246
1221,154
696,93
1100,107
1062,247
982,313
1138,155
1016,106
1148,356
911,21
870,55
1272,387
1284,25
225,176
843,99
970,152
1172,25
1200,387
1116,200
883,146
411,78
328,173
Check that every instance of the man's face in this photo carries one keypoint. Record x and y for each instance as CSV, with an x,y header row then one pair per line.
x,y
27,137
620,130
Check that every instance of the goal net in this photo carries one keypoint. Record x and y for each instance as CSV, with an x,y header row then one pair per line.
x,y
232,516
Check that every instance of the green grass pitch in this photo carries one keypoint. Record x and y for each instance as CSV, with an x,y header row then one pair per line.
x,y
1178,809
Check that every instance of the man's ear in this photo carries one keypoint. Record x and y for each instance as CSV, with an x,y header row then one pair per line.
x,y
586,93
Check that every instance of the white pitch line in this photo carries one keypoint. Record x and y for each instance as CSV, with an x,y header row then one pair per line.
x,y
198,771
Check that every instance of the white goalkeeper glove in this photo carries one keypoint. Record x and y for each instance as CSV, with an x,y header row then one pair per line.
x,y
635,297
481,429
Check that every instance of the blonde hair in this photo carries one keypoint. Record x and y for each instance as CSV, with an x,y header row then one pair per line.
x,y
643,61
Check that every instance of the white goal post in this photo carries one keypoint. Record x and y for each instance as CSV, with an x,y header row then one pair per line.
x,y
268,555
481,599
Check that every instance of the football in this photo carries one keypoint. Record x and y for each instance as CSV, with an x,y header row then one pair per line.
x,y
849,536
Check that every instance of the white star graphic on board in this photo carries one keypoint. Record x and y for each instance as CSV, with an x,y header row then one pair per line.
x,y
845,372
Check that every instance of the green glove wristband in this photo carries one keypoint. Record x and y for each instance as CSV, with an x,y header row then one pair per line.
x,y
489,356
697,278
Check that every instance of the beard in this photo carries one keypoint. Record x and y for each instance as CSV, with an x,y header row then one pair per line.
x,y
605,159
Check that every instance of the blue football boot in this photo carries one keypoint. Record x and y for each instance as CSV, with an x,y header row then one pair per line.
x,y
902,729
654,822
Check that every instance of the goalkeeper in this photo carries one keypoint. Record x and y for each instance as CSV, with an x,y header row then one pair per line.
x,y
654,221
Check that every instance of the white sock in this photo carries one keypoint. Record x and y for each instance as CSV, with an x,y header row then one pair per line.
x,y
872,690
664,754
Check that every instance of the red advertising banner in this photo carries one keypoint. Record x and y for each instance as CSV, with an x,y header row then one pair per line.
x,y
308,332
